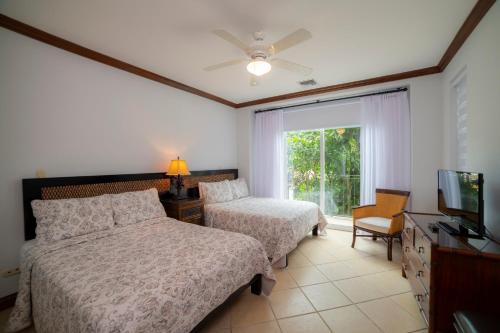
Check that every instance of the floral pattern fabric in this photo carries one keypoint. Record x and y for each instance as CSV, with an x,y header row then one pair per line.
x,y
161,275
239,188
278,224
215,192
137,206
66,218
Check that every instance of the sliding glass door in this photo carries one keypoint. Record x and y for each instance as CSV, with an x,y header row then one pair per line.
x,y
342,170
324,167
304,165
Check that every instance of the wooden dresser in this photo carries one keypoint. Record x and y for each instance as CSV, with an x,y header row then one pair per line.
x,y
449,273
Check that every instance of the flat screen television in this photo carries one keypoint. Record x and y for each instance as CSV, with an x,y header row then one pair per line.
x,y
460,196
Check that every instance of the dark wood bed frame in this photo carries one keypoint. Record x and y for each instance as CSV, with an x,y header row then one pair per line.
x,y
86,186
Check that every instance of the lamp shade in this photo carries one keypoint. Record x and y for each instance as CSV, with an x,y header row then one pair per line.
x,y
258,67
178,167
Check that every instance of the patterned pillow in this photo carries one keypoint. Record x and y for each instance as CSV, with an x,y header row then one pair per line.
x,y
66,218
137,206
215,192
239,188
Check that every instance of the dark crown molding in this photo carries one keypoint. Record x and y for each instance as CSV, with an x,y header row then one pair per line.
x,y
343,86
42,36
478,11
475,16
470,23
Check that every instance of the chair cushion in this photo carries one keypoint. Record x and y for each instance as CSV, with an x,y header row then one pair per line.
x,y
379,224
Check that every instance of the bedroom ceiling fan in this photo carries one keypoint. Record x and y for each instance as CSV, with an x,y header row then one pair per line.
x,y
260,55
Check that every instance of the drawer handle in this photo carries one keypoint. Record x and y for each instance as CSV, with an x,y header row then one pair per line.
x,y
420,273
408,230
407,248
420,249
419,297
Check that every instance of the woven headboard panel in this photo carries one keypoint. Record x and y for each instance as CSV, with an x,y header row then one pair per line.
x,y
91,190
88,186
192,181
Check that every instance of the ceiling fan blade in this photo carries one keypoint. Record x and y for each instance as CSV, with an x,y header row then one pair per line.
x,y
254,80
291,66
228,37
225,64
292,39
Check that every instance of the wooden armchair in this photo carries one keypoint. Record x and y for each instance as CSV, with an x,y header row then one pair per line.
x,y
384,219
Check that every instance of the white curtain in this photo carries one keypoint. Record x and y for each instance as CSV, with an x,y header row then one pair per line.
x,y
385,144
449,184
268,158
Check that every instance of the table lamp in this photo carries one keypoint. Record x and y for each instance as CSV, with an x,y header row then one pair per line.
x,y
177,169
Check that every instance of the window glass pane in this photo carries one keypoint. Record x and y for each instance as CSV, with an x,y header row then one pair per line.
x,y
342,169
304,165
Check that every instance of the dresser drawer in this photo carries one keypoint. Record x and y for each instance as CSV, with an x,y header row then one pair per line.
x,y
421,295
198,219
190,212
422,271
409,231
407,244
423,246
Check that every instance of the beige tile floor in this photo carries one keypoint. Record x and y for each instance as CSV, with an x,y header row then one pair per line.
x,y
327,287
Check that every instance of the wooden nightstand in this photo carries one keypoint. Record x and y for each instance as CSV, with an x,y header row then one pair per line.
x,y
187,210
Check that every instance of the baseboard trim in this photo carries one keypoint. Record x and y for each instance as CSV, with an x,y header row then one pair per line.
x,y
7,301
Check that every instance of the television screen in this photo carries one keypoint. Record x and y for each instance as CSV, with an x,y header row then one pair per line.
x,y
460,197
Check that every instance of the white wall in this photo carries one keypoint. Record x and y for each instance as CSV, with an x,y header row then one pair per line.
x,y
72,116
324,115
426,121
479,57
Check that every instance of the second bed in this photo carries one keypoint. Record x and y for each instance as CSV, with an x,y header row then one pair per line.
x,y
278,224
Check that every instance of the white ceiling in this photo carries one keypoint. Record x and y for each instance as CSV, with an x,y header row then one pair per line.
x,y
352,39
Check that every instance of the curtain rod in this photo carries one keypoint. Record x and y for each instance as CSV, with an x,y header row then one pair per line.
x,y
333,99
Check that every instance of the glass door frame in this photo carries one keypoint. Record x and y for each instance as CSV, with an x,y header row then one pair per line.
x,y
322,198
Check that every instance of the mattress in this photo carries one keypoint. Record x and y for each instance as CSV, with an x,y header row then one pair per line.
x,y
161,275
278,224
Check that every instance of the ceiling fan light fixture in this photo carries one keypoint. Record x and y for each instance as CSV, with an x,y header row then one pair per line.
x,y
258,67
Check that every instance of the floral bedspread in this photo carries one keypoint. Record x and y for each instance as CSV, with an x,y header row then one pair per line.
x,y
278,224
160,275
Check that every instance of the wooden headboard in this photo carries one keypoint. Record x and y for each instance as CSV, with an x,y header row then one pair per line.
x,y
88,186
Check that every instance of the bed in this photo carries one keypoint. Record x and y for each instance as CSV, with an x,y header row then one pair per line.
x,y
158,275
278,224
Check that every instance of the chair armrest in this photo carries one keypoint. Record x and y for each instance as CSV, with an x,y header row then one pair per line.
x,y
397,223
398,214
363,211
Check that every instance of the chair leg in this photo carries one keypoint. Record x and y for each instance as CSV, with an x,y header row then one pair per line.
x,y
389,248
353,237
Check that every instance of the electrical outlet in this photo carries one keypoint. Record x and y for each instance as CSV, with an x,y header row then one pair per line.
x,y
10,272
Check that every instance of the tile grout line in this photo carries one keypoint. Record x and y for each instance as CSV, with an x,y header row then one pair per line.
x,y
368,317
353,303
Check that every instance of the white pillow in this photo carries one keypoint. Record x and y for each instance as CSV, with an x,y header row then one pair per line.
x,y
137,206
239,188
66,218
215,192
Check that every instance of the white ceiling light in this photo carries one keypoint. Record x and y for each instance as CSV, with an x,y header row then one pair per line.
x,y
260,56
258,67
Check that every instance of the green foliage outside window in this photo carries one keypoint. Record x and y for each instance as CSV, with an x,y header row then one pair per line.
x,y
342,168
